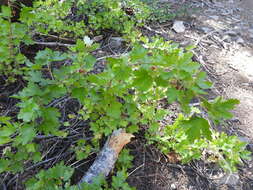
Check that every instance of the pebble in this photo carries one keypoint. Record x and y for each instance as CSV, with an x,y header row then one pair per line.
x,y
240,41
173,186
206,29
230,179
215,17
244,139
116,42
178,26
231,33
226,38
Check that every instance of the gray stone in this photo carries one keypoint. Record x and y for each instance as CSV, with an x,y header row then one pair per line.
x,y
116,42
178,26
240,41
226,38
250,147
215,17
230,179
244,139
247,140
173,186
231,33
206,29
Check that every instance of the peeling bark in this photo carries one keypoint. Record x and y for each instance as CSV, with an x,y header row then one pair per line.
x,y
106,159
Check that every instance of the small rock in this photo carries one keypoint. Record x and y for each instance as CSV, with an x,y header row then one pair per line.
x,y
116,42
240,41
230,179
178,26
206,29
173,186
247,140
194,15
251,30
251,33
98,38
226,38
215,17
244,139
250,147
231,33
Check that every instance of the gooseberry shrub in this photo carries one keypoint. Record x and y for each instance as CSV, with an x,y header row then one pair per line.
x,y
76,18
126,94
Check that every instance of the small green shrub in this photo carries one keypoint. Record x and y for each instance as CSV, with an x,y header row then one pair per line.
x,y
12,35
77,18
180,138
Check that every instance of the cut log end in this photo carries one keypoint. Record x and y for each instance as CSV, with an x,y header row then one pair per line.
x,y
107,157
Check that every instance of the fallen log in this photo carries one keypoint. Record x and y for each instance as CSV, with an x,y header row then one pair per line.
x,y
107,157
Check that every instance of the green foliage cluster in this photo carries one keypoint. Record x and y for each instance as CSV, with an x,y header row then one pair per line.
x,y
160,12
125,95
12,35
75,18
193,134
58,178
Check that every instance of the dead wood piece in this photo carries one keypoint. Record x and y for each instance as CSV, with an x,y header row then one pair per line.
x,y
106,159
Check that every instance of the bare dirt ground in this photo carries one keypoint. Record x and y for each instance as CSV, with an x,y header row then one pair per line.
x,y
222,31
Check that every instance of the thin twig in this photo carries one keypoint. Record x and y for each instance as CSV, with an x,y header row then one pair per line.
x,y
152,30
53,44
110,56
135,169
57,37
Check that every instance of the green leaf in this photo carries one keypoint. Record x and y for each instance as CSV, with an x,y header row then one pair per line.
x,y
89,61
196,128
30,147
219,108
132,129
6,11
114,109
138,53
80,45
61,171
31,90
4,165
50,122
161,82
29,111
143,80
80,94
154,127
191,67
120,68
172,95
26,134
6,130
202,82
